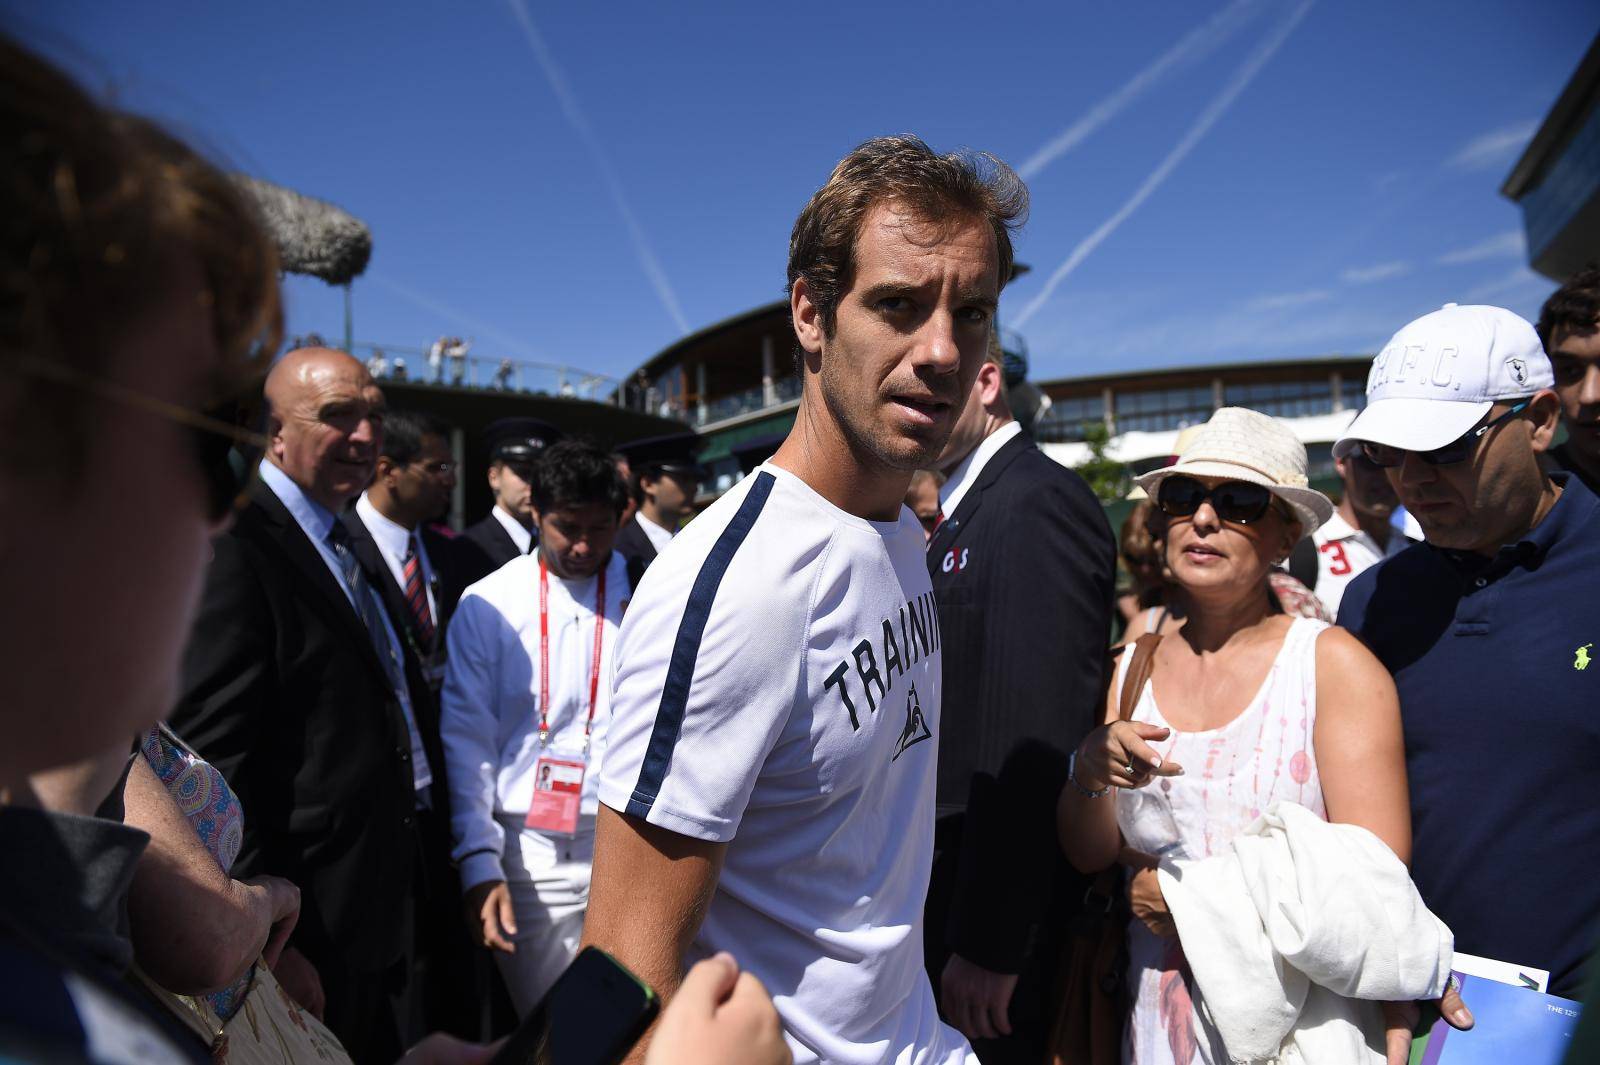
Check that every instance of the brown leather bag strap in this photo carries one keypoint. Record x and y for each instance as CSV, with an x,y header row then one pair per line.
x,y
1139,669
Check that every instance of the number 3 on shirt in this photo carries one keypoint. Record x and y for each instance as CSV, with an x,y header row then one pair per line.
x,y
1338,561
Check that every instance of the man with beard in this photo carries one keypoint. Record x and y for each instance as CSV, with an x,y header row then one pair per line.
x,y
1569,326
769,779
1359,535
413,570
1024,569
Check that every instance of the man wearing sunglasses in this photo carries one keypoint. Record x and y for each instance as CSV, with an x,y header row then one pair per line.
x,y
1486,628
1360,534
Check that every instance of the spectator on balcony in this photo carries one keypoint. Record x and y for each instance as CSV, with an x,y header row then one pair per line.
x,y
436,360
665,480
399,368
502,375
456,352
378,364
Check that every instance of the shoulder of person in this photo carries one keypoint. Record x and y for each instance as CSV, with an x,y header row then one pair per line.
x,y
1339,650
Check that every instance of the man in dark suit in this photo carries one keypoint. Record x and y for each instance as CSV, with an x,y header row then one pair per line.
x,y
1023,567
415,572
292,687
664,479
507,531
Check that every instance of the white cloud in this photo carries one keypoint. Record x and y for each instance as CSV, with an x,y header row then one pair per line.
x,y
1494,148
1284,300
1195,46
1196,133
1366,275
1507,245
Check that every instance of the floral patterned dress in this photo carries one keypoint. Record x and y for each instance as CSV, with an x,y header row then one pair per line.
x,y
213,811
1231,774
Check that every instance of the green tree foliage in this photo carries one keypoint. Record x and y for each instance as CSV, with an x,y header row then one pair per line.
x,y
1107,477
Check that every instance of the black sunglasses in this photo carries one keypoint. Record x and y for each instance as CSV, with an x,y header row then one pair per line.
x,y
227,437
1458,450
1239,502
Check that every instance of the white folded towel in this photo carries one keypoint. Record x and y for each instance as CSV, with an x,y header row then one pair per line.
x,y
1296,932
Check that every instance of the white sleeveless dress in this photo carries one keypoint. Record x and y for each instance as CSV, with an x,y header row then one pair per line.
x,y
1231,774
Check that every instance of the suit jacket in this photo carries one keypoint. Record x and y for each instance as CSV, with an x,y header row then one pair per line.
x,y
283,692
482,548
634,544
418,652
1024,573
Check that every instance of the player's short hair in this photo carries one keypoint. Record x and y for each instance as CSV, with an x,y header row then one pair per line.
x,y
936,189
576,472
403,433
1574,308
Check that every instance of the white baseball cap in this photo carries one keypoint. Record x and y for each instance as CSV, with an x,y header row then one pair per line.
x,y
1439,376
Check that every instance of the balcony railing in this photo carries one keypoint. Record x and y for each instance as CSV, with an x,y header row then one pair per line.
x,y
398,362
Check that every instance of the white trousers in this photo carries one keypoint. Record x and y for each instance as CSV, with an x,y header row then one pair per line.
x,y
549,881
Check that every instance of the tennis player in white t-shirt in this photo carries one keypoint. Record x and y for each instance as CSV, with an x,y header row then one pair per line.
x,y
769,783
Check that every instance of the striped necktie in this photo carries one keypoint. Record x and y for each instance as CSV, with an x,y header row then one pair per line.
x,y
366,605
417,593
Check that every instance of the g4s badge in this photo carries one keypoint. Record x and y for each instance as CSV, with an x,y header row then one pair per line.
x,y
951,563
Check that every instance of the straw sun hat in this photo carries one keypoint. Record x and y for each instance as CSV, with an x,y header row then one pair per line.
x,y
1246,445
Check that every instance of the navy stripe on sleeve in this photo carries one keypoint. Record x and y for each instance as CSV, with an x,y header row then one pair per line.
x,y
686,648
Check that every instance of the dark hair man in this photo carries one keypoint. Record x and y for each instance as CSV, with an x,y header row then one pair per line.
x,y
1359,535
507,531
665,478
1569,326
768,783
525,708
1485,628
294,688
1021,688
415,572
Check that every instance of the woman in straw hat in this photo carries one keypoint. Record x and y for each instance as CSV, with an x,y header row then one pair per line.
x,y
1244,706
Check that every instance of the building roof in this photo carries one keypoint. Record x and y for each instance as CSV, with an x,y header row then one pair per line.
x,y
1558,125
1160,377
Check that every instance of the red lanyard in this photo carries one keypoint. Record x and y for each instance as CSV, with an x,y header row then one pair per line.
x,y
544,652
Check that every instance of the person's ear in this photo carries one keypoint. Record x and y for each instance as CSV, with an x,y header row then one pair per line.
x,y
991,383
807,317
1544,414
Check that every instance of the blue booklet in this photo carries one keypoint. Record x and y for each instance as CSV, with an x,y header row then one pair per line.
x,y
1514,1024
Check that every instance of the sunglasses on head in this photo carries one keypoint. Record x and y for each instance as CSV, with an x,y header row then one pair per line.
x,y
1458,450
226,437
1239,502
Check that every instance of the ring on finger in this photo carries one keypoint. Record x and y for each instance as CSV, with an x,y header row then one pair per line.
x,y
1128,769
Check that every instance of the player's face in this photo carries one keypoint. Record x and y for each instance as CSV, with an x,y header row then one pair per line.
x,y
909,336
576,539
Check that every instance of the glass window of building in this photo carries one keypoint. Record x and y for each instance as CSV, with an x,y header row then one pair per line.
x,y
1161,409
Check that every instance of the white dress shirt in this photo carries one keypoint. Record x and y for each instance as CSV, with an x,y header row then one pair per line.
x,y
316,521
521,535
489,712
965,475
394,542
660,536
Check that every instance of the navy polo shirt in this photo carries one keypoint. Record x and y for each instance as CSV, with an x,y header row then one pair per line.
x,y
1501,711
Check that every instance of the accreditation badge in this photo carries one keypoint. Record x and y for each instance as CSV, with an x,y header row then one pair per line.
x,y
557,791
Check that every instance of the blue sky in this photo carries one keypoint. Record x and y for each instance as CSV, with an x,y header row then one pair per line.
x,y
580,183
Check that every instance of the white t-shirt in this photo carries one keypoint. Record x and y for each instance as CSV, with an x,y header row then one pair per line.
x,y
777,688
1343,552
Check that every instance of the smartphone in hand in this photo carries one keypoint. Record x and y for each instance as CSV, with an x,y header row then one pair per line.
x,y
593,1015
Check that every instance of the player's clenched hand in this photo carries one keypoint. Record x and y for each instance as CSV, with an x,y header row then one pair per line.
x,y
1118,754
490,917
719,1016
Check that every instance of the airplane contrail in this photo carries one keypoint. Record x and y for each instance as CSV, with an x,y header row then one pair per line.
x,y
1209,117
1199,43
443,310
579,122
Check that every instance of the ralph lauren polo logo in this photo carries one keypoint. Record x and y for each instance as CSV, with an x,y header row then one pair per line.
x,y
1582,659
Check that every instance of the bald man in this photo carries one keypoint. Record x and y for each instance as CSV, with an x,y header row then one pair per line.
x,y
290,689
